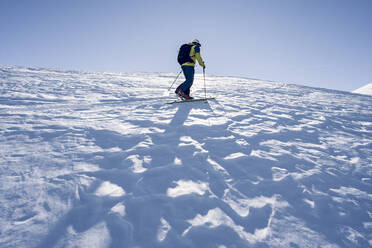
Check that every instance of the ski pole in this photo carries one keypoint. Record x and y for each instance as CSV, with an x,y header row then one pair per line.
x,y
205,88
174,81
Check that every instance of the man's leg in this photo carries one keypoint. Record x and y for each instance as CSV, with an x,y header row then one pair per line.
x,y
188,71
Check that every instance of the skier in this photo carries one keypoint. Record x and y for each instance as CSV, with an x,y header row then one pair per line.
x,y
187,57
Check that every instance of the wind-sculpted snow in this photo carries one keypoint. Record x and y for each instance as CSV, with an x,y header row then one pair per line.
x,y
98,160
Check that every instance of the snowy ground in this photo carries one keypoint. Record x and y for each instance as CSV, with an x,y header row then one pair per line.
x,y
90,160
366,90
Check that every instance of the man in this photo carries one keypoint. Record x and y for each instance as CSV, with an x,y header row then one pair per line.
x,y
187,57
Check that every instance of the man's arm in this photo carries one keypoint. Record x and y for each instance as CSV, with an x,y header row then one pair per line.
x,y
198,56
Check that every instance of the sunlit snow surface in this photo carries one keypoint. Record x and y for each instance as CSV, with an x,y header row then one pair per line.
x,y
98,160
366,90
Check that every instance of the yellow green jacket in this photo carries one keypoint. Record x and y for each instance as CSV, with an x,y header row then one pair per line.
x,y
194,55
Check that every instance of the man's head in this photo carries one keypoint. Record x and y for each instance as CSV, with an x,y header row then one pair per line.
x,y
196,42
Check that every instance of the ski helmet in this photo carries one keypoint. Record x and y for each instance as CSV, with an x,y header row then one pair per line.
x,y
196,41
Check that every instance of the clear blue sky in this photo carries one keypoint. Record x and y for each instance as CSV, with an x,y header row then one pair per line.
x,y
321,43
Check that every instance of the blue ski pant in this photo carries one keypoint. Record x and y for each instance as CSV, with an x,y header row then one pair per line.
x,y
188,71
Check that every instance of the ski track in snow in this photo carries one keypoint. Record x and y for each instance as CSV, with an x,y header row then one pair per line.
x,y
90,160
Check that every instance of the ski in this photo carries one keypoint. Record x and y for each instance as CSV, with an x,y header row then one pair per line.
x,y
192,100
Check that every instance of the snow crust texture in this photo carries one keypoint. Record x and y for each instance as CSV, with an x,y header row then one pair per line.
x,y
92,160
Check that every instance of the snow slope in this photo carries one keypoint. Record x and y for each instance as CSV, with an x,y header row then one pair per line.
x,y
90,160
366,90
